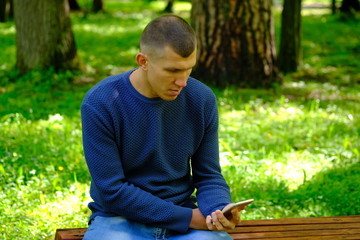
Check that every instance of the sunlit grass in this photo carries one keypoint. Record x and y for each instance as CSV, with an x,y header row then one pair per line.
x,y
318,136
272,149
43,178
293,156
37,217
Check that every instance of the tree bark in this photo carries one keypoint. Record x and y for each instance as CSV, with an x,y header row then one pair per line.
x,y
2,10
11,9
290,44
169,6
333,7
74,5
98,6
236,43
348,6
43,35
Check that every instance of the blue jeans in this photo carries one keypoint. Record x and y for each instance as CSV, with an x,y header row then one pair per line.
x,y
118,228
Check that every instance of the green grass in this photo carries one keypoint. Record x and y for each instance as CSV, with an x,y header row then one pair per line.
x,y
285,153
294,149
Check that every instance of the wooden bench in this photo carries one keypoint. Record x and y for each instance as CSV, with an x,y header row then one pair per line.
x,y
324,228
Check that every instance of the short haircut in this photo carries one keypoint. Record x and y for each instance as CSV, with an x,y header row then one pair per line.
x,y
169,30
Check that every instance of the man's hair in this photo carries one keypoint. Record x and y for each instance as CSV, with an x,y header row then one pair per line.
x,y
169,30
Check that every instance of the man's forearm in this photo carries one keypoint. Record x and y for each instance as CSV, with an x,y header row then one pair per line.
x,y
198,220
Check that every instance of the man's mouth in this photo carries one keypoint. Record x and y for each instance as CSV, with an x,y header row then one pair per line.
x,y
175,92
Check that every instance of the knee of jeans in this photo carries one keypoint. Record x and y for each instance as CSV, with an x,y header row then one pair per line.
x,y
116,228
106,228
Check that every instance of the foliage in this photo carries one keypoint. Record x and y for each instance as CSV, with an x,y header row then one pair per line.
x,y
295,149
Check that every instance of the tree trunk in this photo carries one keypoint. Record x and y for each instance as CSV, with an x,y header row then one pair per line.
x,y
348,6
74,5
236,43
2,10
290,44
43,35
98,6
11,9
333,7
169,6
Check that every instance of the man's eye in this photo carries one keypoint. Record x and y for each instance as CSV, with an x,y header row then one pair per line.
x,y
178,70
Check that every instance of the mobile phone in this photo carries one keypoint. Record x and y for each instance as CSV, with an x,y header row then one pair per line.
x,y
227,209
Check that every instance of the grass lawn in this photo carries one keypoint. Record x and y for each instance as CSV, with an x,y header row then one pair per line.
x,y
294,149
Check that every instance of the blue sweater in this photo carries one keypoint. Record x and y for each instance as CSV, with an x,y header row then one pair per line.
x,y
146,156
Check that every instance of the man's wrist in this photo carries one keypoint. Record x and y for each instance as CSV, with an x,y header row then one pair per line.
x,y
197,220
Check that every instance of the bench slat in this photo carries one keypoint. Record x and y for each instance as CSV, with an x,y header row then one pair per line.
x,y
312,220
318,228
70,234
269,228
294,234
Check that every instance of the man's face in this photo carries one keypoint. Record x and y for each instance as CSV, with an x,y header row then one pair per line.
x,y
167,73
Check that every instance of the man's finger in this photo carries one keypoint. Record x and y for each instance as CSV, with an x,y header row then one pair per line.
x,y
210,223
217,223
235,216
224,221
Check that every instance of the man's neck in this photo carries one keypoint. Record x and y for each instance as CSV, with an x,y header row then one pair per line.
x,y
136,79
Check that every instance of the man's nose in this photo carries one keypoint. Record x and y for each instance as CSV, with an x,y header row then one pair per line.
x,y
181,80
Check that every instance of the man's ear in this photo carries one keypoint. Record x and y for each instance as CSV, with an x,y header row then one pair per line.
x,y
142,61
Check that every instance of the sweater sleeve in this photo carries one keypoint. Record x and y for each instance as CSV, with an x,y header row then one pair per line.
x,y
212,190
109,186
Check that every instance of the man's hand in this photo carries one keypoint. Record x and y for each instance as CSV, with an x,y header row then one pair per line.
x,y
218,222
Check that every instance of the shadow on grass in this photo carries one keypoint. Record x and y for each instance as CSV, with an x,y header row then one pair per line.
x,y
335,191
331,192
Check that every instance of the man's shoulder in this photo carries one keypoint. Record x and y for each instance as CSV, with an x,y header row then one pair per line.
x,y
107,88
198,89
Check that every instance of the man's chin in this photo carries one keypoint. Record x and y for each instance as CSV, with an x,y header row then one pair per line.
x,y
168,97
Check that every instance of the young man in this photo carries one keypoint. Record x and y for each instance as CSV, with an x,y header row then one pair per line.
x,y
150,139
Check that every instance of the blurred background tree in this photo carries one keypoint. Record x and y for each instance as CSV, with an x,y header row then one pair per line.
x,y
236,43
98,5
349,6
236,38
44,37
2,10
290,41
6,10
169,6
74,5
